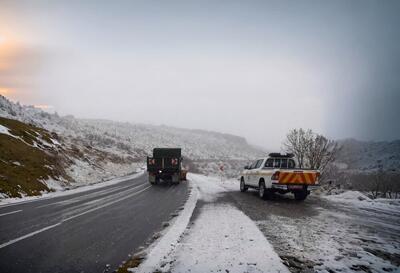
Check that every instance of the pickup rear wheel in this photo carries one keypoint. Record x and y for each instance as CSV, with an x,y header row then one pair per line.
x,y
300,195
243,186
263,192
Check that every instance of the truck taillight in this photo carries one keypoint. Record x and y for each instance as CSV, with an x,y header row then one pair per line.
x,y
152,161
174,161
275,176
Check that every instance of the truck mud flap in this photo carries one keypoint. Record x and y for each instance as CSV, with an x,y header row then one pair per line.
x,y
175,178
152,179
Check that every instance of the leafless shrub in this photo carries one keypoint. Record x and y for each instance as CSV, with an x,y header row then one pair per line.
x,y
377,184
297,142
310,149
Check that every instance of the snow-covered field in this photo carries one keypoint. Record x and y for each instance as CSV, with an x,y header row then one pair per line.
x,y
333,234
360,200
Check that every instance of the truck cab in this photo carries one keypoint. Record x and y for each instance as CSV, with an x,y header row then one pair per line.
x,y
278,173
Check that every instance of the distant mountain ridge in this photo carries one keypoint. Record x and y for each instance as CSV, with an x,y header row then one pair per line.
x,y
135,139
369,155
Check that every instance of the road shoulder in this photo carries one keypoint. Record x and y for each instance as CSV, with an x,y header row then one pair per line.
x,y
218,238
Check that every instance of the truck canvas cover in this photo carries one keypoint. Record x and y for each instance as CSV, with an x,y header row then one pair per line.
x,y
165,159
166,152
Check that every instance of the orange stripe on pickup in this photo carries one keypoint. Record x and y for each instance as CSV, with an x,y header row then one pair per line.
x,y
297,177
283,176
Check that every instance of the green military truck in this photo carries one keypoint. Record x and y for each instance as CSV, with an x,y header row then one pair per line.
x,y
166,165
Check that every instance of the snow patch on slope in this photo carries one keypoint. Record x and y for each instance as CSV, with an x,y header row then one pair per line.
x,y
4,130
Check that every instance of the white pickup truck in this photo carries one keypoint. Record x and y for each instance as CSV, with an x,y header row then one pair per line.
x,y
278,173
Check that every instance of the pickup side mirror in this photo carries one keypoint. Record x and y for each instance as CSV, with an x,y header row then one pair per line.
x,y
246,167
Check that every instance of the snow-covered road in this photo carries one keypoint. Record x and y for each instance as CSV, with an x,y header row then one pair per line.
x,y
219,238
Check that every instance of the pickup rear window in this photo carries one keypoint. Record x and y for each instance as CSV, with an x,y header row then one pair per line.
x,y
281,163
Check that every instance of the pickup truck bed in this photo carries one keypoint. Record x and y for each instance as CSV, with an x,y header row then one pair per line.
x,y
303,177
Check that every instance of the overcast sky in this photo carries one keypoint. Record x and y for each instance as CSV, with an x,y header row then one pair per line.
x,y
251,68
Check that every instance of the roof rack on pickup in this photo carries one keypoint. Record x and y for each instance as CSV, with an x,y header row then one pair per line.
x,y
287,155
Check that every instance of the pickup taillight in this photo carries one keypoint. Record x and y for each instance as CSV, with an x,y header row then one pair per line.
x,y
174,161
275,176
152,161
317,175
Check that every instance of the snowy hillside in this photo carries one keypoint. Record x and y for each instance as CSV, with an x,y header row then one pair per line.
x,y
136,140
98,150
31,159
367,156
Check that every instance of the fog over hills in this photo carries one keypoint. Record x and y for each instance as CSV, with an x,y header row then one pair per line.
x,y
136,139
96,150
370,155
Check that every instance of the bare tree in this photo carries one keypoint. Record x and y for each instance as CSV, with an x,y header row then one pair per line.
x,y
311,150
297,142
377,181
321,152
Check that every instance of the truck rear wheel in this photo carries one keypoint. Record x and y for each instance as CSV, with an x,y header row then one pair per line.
x,y
300,195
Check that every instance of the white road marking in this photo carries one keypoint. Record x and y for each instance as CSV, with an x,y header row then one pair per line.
x,y
77,190
70,218
11,212
102,200
105,205
28,235
88,196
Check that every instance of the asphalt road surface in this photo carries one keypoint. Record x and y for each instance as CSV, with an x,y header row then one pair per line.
x,y
85,231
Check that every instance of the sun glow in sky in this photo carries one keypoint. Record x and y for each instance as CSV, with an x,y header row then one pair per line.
x,y
5,52
6,92
19,63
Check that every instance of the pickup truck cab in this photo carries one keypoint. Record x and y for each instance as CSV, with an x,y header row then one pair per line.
x,y
278,173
